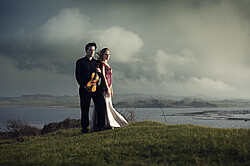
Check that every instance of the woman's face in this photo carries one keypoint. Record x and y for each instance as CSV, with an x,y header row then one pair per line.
x,y
106,55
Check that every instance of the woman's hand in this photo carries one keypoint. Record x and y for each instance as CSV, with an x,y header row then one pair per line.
x,y
109,92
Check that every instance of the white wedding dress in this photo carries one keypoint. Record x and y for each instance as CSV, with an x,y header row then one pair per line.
x,y
113,119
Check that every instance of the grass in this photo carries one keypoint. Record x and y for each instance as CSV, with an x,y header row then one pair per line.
x,y
141,143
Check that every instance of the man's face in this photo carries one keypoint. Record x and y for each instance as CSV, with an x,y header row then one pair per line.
x,y
91,51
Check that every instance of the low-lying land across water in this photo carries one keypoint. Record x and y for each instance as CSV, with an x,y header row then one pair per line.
x,y
121,101
217,115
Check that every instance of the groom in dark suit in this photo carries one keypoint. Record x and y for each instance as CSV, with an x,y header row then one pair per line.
x,y
84,68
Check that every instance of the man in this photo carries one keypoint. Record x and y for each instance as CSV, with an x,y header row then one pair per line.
x,y
84,68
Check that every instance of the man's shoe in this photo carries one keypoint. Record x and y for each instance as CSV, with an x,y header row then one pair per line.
x,y
85,131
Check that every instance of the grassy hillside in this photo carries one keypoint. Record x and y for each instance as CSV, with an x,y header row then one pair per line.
x,y
141,143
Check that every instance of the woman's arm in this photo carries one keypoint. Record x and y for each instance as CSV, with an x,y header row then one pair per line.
x,y
111,89
105,80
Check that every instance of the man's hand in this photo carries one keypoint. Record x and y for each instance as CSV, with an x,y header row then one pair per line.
x,y
98,70
85,87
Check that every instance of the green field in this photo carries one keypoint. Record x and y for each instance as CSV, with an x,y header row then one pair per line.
x,y
141,143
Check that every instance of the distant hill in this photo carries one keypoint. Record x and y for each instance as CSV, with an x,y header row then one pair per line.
x,y
121,100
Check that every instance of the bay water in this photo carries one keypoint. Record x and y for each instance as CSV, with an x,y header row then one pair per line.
x,y
40,116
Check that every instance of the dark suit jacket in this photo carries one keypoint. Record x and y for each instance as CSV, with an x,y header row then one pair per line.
x,y
84,69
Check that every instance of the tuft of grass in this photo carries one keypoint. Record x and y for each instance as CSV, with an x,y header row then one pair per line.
x,y
140,143
16,128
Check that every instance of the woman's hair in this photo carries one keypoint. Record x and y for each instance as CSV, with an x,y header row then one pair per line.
x,y
101,53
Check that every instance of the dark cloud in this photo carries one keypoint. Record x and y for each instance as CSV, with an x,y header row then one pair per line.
x,y
52,46
175,45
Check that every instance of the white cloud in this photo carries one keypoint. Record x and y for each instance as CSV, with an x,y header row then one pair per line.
x,y
54,47
149,53
124,44
169,64
217,32
60,41
69,25
209,84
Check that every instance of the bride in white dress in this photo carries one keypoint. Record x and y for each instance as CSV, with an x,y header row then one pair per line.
x,y
112,118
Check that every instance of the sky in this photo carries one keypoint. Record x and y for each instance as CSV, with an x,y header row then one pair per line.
x,y
172,47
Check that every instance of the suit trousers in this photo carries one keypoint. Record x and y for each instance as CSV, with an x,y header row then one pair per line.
x,y
100,106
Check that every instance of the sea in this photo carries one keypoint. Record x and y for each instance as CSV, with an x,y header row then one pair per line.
x,y
212,117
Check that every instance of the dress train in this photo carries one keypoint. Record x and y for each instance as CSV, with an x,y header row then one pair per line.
x,y
113,118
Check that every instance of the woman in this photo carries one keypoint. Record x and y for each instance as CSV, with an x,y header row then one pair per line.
x,y
112,118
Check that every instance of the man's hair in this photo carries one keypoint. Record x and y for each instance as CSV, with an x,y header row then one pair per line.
x,y
90,45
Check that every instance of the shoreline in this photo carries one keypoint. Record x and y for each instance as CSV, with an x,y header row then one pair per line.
x,y
70,106
37,106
